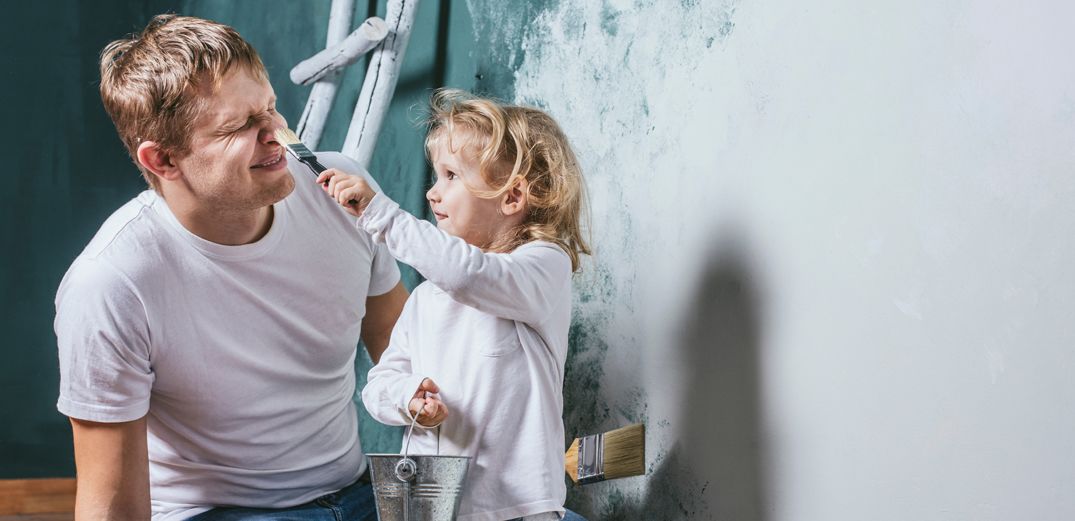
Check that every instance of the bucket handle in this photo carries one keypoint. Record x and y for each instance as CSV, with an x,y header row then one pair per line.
x,y
406,468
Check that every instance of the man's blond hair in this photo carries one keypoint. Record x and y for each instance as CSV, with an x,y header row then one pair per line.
x,y
150,81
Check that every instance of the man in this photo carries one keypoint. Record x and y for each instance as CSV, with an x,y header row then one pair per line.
x,y
207,333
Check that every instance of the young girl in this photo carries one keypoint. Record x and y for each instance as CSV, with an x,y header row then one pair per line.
x,y
478,352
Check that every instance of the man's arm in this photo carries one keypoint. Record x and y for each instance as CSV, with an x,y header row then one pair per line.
x,y
112,463
382,311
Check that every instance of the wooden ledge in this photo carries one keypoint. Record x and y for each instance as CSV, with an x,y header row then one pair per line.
x,y
37,496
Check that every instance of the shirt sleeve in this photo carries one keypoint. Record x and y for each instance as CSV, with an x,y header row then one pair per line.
x,y
384,273
522,285
103,337
391,383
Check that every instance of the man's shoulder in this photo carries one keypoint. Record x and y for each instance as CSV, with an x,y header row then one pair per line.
x,y
133,218
338,160
125,243
329,159
343,162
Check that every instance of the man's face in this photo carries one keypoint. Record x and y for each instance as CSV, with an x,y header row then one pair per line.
x,y
235,162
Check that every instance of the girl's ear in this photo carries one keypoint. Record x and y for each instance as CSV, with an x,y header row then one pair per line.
x,y
514,200
158,161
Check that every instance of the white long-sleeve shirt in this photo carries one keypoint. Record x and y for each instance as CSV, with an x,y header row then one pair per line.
x,y
491,330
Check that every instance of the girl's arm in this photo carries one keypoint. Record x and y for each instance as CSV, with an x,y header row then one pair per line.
x,y
391,383
522,285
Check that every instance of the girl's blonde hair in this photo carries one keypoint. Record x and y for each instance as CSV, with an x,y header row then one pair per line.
x,y
511,142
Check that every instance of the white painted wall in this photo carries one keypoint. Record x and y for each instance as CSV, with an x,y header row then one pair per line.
x,y
834,251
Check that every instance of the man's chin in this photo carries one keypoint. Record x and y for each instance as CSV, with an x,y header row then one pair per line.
x,y
265,195
281,188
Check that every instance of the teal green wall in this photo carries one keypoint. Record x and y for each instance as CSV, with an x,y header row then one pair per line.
x,y
68,170
65,173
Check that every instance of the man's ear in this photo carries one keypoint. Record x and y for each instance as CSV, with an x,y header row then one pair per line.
x,y
514,200
158,161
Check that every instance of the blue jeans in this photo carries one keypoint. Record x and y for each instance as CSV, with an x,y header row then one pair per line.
x,y
352,503
568,516
571,516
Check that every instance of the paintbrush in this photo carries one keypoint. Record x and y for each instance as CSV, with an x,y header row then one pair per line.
x,y
296,148
615,454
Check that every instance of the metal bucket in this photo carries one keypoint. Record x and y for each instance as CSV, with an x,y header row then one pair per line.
x,y
417,488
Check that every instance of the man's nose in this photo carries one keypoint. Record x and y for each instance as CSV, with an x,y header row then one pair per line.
x,y
267,134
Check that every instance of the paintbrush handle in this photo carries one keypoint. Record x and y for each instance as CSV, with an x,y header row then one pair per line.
x,y
314,165
317,167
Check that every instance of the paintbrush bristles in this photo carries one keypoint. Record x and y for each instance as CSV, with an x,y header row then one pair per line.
x,y
571,461
625,452
286,137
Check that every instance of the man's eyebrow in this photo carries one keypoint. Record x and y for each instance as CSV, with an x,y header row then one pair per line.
x,y
238,120
233,121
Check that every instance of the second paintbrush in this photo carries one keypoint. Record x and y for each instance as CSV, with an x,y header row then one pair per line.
x,y
615,454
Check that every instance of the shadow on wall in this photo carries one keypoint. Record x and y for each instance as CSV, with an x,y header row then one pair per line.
x,y
715,470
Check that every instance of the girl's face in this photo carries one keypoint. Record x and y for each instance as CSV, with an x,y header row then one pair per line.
x,y
459,212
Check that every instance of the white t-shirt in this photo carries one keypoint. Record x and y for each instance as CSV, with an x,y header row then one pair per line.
x,y
491,330
241,357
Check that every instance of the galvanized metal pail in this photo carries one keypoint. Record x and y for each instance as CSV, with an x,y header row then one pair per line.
x,y
417,488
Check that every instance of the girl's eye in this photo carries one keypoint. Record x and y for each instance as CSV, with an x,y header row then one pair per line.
x,y
451,176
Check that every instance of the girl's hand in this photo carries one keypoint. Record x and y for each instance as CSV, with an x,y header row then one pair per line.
x,y
427,406
351,191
